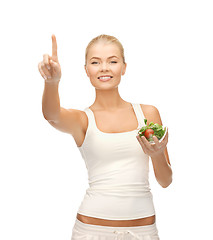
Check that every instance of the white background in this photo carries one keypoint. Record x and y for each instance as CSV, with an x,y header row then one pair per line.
x,y
169,53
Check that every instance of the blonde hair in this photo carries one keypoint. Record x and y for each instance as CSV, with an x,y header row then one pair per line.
x,y
106,39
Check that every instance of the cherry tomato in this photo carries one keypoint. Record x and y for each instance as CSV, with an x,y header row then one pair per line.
x,y
148,133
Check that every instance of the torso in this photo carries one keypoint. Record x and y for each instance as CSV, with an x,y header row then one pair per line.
x,y
112,122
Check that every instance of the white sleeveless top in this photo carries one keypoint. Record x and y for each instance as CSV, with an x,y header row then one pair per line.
x,y
118,172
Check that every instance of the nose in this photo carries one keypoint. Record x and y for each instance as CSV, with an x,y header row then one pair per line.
x,y
104,66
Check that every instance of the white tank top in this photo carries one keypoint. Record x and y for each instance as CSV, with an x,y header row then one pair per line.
x,y
118,172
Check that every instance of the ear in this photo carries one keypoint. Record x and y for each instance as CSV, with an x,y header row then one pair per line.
x,y
86,70
124,69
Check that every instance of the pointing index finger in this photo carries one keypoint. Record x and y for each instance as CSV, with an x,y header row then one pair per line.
x,y
54,48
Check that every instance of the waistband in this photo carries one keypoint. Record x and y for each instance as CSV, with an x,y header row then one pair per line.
x,y
115,231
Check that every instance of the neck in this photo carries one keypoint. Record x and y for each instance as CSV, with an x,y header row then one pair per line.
x,y
108,100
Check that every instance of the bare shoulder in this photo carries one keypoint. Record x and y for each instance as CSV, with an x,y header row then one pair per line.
x,y
151,113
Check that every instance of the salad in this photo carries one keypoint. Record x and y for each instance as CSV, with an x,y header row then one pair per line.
x,y
153,129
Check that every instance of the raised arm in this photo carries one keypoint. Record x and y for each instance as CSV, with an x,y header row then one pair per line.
x,y
65,120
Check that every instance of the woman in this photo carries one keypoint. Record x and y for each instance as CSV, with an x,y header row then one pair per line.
x,y
118,200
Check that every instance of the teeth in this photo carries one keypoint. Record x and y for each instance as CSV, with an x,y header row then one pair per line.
x,y
104,77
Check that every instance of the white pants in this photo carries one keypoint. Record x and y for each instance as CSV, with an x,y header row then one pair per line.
x,y
84,231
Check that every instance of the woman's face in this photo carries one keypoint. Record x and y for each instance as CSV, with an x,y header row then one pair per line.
x,y
105,59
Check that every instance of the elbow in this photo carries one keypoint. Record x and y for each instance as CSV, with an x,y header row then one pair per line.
x,y
166,185
168,181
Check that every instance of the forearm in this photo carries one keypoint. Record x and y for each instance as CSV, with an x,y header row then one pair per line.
x,y
51,101
162,170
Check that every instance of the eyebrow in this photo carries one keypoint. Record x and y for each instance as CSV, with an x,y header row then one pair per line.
x,y
108,57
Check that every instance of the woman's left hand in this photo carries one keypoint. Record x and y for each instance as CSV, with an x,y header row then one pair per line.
x,y
153,149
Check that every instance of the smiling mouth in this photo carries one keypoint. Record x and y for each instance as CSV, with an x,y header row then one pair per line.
x,y
105,77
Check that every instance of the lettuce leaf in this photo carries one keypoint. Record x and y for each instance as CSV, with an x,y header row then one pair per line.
x,y
157,128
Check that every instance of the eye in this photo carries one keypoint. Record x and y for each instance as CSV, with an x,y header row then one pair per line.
x,y
94,62
113,62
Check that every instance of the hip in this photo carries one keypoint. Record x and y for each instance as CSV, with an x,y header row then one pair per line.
x,y
94,232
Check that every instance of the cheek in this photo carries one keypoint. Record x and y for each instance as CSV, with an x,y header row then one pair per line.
x,y
92,72
116,69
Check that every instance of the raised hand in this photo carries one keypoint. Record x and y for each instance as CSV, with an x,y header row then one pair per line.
x,y
50,68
